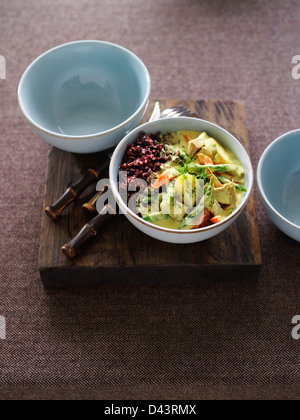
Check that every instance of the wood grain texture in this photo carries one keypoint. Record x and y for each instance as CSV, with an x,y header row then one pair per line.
x,y
120,250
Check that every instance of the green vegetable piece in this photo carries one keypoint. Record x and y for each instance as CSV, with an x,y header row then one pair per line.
x,y
227,181
240,188
196,168
156,217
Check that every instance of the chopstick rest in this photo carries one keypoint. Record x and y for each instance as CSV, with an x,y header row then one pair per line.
x,y
89,231
55,210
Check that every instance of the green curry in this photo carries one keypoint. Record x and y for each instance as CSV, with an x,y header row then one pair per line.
x,y
202,184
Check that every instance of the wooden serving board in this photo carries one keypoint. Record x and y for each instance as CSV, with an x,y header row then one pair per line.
x,y
121,252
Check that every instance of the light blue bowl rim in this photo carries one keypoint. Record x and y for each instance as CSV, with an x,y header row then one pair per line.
x,y
259,180
102,133
146,127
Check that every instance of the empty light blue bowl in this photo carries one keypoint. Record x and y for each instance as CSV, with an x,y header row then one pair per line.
x,y
278,178
85,96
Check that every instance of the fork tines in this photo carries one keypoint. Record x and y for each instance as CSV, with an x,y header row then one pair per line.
x,y
178,111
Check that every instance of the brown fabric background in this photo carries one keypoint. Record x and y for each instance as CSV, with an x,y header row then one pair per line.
x,y
135,340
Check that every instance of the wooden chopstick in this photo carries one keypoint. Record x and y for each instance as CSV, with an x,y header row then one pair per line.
x,y
89,231
55,210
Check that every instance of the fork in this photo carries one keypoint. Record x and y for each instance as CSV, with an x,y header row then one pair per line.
x,y
174,112
178,111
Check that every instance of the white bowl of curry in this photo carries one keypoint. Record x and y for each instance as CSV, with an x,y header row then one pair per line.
x,y
193,179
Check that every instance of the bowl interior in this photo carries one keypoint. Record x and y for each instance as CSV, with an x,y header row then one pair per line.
x,y
175,124
280,176
84,88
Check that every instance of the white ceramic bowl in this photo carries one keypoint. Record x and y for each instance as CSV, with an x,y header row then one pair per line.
x,y
85,96
175,124
278,178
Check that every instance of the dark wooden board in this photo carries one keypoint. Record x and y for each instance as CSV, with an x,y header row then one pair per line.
x,y
121,252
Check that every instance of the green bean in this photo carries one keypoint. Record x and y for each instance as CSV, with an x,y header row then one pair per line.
x,y
227,181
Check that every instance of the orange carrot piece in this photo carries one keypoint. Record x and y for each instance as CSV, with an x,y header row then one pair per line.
x,y
164,178
205,160
216,219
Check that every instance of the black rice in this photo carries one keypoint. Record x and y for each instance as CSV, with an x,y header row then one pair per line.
x,y
143,159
